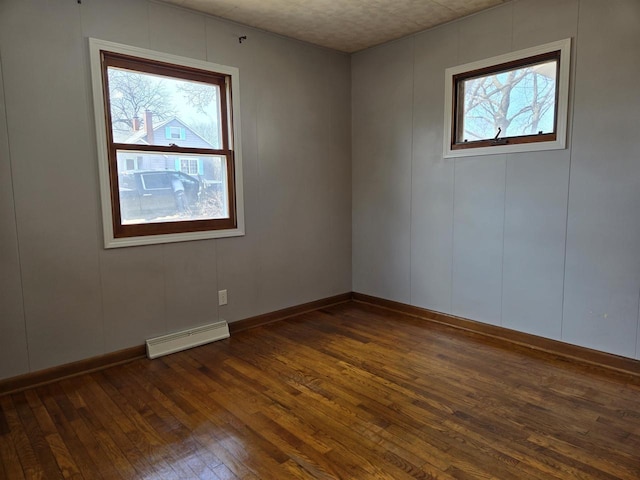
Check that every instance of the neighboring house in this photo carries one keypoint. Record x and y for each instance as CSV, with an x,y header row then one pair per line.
x,y
170,131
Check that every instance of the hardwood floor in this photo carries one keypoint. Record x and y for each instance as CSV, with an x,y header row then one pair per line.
x,y
348,392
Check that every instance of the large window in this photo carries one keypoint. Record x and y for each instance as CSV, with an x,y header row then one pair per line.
x,y
178,118
512,103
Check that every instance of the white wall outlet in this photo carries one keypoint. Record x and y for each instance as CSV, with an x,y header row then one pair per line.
x,y
222,297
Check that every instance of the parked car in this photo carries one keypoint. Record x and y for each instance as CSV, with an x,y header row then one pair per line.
x,y
156,193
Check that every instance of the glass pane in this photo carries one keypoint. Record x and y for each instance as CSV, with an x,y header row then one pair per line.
x,y
172,187
157,110
509,104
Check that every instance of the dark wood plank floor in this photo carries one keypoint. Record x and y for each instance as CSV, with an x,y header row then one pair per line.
x,y
348,392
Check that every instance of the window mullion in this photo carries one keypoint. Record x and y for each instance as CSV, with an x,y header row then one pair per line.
x,y
175,149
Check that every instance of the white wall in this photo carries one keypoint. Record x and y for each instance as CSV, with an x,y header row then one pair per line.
x,y
546,243
63,297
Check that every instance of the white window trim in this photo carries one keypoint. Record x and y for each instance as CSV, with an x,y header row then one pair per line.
x,y
562,108
95,46
189,159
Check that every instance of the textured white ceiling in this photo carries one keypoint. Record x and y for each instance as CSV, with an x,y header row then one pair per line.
x,y
344,25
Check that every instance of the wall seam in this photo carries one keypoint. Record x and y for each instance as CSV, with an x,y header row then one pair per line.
x,y
148,5
413,125
260,206
218,284
571,117
206,40
99,228
504,223
215,240
453,200
504,197
637,353
513,16
453,236
15,219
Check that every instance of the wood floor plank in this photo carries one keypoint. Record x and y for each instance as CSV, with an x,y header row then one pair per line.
x,y
175,424
24,452
373,397
50,396
301,446
406,406
36,435
9,460
162,429
112,415
350,391
150,442
63,457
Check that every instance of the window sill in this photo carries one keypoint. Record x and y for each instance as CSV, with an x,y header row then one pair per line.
x,y
111,242
559,144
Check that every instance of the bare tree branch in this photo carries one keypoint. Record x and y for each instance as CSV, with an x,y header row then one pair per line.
x,y
198,95
489,101
132,93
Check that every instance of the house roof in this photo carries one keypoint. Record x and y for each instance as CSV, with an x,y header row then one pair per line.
x,y
140,137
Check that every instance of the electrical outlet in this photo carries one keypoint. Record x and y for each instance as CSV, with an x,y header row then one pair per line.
x,y
222,297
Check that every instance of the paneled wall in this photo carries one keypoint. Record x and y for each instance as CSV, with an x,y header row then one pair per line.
x,y
63,297
545,242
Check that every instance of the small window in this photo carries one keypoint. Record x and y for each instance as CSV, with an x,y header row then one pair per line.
x,y
178,118
512,103
176,133
189,166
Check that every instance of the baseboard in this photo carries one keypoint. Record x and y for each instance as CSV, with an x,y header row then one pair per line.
x,y
41,377
561,349
555,347
278,315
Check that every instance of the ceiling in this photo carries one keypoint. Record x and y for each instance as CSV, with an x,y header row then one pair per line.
x,y
343,25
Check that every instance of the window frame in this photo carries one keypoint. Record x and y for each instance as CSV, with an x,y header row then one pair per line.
x,y
510,61
189,160
104,54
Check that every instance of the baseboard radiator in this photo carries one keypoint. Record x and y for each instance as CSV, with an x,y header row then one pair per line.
x,y
193,337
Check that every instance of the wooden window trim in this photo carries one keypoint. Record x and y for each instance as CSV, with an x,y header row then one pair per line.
x,y
458,81
137,64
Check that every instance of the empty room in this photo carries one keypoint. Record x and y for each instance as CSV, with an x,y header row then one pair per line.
x,y
331,239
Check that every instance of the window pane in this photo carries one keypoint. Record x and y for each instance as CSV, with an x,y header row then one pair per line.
x,y
514,102
189,166
172,188
156,110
